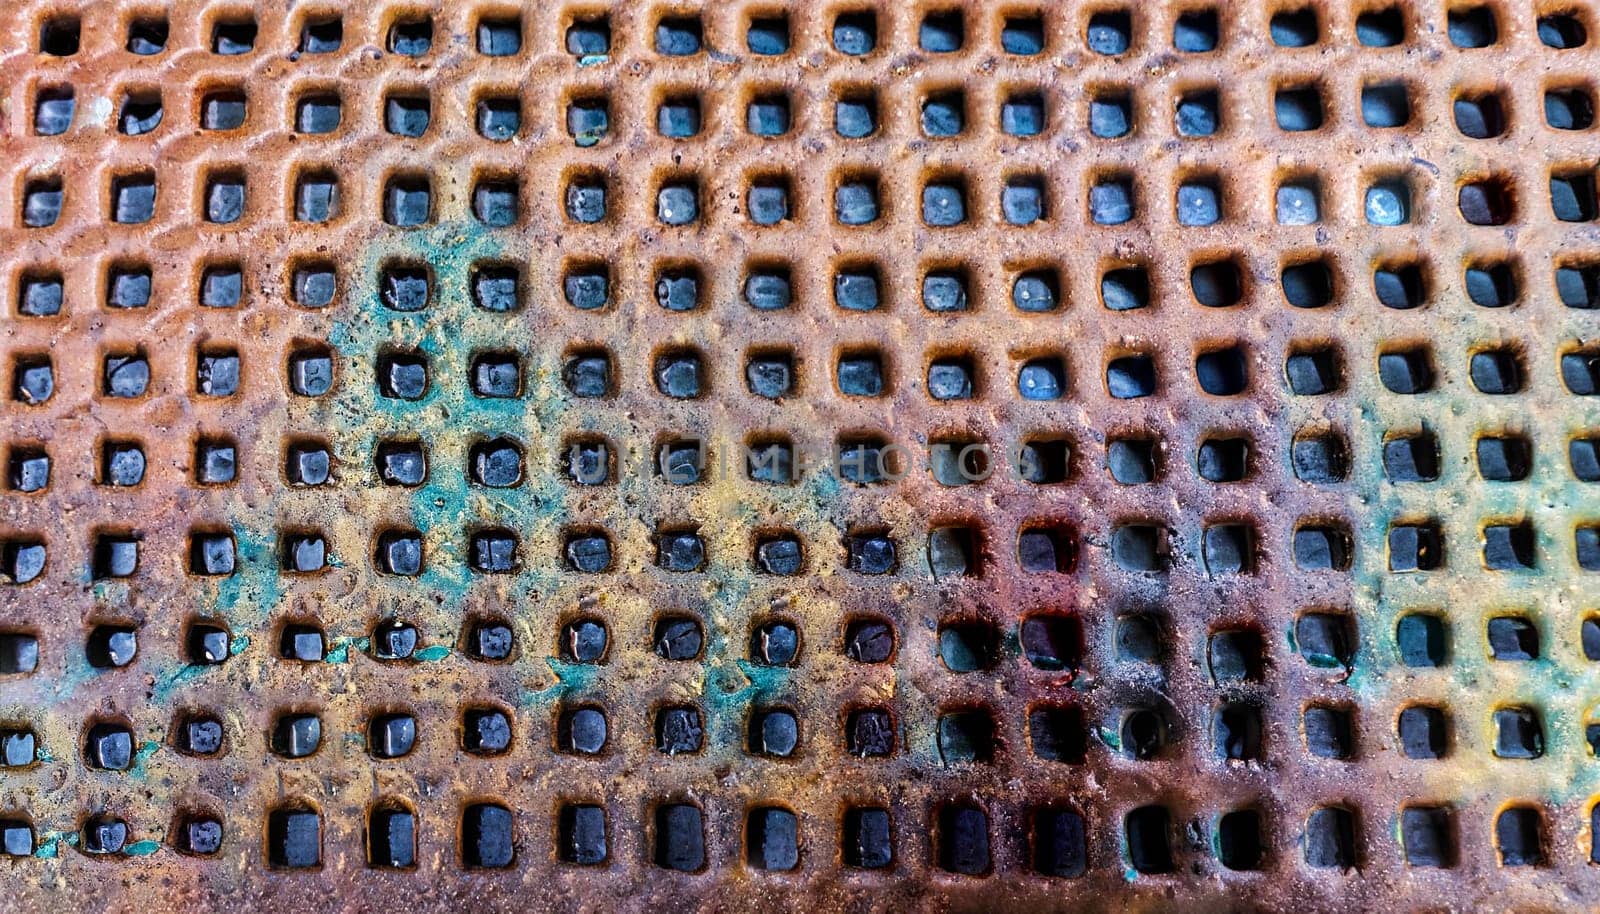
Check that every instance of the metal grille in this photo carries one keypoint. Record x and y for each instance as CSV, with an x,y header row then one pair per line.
x,y
842,454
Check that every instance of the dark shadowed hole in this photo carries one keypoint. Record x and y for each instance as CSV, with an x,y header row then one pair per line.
x,y
772,839
1147,833
867,842
1239,841
1058,734
1518,833
1060,843
1472,26
680,840
1308,285
963,839
1428,836
1423,732
1479,117
1330,838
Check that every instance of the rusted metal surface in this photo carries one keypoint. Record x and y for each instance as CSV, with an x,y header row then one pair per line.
x,y
979,110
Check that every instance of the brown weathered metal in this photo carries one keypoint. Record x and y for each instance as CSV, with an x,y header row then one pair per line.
x,y
1015,599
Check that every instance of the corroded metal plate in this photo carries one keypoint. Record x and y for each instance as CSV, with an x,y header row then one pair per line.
x,y
842,455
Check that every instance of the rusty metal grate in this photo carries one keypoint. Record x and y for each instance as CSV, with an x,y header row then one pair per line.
x,y
845,454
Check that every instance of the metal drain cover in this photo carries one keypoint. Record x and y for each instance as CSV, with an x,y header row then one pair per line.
x,y
858,455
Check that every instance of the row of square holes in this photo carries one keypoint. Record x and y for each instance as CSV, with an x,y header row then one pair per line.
x,y
1198,200
1049,642
1197,112
858,285
1054,836
681,373
1108,32
1228,547
1408,456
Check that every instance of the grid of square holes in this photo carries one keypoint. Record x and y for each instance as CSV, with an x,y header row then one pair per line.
x,y
859,445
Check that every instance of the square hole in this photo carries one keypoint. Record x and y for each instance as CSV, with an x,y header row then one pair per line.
x,y
222,286
59,36
589,37
411,37
499,118
1568,109
944,202
1196,31
1406,371
223,109
1036,291
1486,202
768,36
141,113
1415,547
855,33
122,464
1472,26
1217,284
1298,108
1294,28
217,373
147,36
767,115
1480,116
855,116
216,462
941,32
678,117
316,197
311,371
944,114
589,120
1320,458
1023,200
322,35
40,295
1199,113
406,115
318,114
1023,35
1423,731
1381,28
407,201
1299,202
125,375
1109,32
586,198
224,198
41,202
231,38
678,36
27,470
855,201
53,109
1401,286
1111,200
1388,202
1110,115
1562,31
494,203
678,289
1493,285
1385,104
587,286
1022,114
499,37
1428,836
